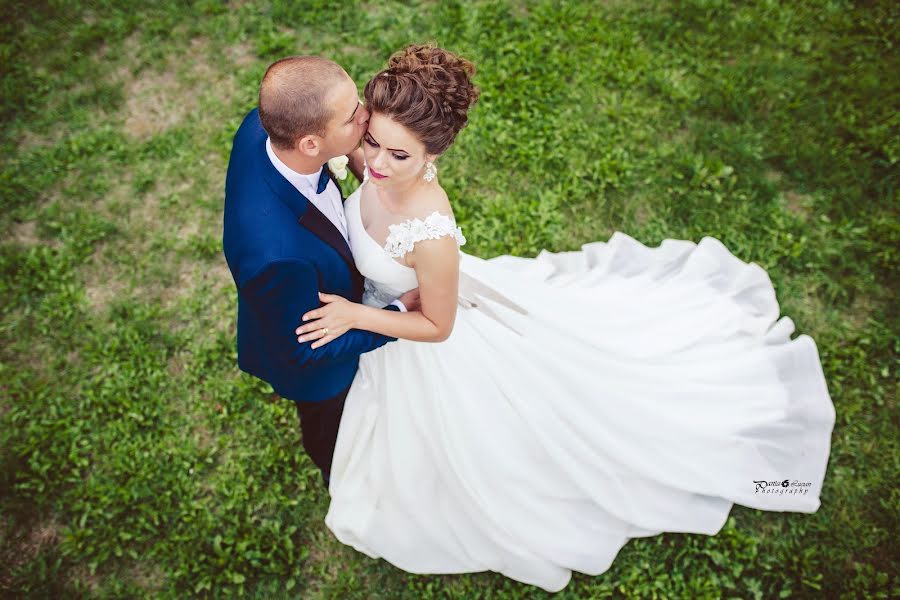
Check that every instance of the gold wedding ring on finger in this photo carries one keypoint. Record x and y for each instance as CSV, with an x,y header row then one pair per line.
x,y
324,331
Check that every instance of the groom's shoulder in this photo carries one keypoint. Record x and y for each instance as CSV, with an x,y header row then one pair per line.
x,y
257,228
249,140
250,127
251,119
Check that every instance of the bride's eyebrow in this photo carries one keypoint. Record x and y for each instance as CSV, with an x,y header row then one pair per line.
x,y
391,149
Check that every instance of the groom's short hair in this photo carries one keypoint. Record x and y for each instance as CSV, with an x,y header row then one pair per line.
x,y
293,98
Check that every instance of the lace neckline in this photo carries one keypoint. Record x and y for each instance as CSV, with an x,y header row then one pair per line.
x,y
403,236
365,231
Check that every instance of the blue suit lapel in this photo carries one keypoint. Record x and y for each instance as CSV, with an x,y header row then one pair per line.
x,y
306,212
315,221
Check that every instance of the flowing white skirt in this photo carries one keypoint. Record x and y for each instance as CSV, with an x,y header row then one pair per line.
x,y
583,398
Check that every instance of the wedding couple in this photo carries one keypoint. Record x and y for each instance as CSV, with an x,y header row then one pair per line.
x,y
521,415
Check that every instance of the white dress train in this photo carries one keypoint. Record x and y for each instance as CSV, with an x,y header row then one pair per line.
x,y
583,398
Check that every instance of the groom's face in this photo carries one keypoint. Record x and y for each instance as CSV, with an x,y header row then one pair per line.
x,y
348,123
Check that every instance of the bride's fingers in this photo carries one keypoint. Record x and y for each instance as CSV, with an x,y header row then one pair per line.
x,y
322,311
332,335
314,334
315,325
322,342
313,314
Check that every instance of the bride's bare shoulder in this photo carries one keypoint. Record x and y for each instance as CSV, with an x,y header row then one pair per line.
x,y
430,199
432,238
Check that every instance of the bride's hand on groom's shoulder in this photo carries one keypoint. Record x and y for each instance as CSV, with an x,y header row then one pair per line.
x,y
328,322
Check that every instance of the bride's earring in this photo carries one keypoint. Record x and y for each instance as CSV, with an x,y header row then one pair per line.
x,y
430,171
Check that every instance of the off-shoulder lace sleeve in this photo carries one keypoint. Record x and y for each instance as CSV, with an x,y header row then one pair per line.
x,y
403,236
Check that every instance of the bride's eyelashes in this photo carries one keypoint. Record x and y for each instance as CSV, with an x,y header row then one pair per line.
x,y
371,141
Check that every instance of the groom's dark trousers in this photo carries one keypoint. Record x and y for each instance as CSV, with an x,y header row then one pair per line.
x,y
282,251
319,422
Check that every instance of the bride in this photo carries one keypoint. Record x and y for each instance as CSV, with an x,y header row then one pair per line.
x,y
539,412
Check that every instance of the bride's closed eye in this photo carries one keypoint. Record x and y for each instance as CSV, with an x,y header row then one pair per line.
x,y
371,141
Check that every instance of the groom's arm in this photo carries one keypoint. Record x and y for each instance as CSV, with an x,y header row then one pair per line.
x,y
437,272
282,292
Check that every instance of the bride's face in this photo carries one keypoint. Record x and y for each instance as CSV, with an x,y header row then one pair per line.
x,y
393,153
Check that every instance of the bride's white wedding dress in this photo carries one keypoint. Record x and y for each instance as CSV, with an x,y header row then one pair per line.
x,y
583,398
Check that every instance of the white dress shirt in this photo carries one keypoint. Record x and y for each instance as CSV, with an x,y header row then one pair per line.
x,y
328,202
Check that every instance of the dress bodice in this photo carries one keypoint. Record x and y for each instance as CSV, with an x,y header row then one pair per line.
x,y
386,278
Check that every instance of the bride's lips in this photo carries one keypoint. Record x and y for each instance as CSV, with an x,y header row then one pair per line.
x,y
376,174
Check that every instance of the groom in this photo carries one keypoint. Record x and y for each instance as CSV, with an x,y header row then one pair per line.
x,y
285,239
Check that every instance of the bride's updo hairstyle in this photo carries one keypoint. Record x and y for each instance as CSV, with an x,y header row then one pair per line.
x,y
427,90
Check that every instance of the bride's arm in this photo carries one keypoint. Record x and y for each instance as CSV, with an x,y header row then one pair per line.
x,y
437,269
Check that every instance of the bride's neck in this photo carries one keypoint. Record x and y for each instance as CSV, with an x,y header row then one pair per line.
x,y
402,196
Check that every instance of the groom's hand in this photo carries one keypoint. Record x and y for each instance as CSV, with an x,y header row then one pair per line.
x,y
411,300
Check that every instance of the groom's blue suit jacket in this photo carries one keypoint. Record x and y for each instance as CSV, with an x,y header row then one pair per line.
x,y
282,251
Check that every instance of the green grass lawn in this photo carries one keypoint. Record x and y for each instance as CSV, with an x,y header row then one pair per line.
x,y
138,461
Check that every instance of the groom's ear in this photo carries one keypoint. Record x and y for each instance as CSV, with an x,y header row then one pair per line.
x,y
310,145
